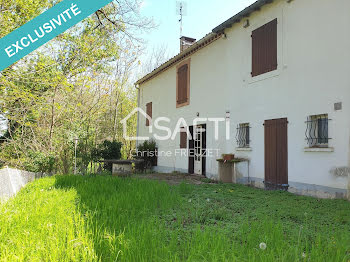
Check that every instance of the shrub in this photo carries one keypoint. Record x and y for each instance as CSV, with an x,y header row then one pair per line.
x,y
147,151
40,162
108,150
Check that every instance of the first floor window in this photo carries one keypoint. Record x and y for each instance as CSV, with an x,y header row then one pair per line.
x,y
183,83
243,135
317,133
264,49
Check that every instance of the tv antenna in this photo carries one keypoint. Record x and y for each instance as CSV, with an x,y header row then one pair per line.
x,y
181,10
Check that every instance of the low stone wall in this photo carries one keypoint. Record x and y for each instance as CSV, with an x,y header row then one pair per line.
x,y
12,180
121,169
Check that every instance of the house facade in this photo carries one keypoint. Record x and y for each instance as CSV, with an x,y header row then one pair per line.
x,y
276,77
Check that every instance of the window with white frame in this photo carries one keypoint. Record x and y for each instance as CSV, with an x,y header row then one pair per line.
x,y
243,135
317,131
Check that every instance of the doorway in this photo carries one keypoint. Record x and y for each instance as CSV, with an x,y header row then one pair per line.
x,y
197,150
276,154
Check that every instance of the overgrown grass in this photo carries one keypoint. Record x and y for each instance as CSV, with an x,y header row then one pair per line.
x,y
71,218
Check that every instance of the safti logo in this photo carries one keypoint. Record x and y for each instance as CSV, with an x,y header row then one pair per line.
x,y
162,124
125,120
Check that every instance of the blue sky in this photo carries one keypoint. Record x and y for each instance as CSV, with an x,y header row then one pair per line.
x,y
202,16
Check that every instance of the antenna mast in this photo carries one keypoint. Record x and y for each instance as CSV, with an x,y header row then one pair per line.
x,y
181,14
181,11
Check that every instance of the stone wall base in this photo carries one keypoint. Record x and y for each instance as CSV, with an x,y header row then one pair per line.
x,y
303,189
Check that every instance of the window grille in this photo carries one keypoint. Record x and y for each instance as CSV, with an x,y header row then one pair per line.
x,y
317,133
243,135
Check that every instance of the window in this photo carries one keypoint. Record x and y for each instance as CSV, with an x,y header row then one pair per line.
x,y
243,135
317,130
183,138
148,112
264,49
183,83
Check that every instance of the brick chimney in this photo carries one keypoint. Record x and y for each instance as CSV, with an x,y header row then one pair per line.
x,y
186,42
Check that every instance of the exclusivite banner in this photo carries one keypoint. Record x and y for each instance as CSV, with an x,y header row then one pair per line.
x,y
45,27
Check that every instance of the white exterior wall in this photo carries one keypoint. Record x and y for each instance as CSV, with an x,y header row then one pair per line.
x,y
313,73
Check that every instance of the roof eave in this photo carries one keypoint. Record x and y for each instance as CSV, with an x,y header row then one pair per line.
x,y
177,58
241,15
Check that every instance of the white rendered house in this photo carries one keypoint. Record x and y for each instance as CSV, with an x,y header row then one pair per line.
x,y
279,73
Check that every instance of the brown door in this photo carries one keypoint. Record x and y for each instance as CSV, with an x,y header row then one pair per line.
x,y
276,153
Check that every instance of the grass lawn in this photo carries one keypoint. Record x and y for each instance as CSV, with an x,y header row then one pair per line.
x,y
74,218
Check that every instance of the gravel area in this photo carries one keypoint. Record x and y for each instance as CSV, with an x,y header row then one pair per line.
x,y
176,178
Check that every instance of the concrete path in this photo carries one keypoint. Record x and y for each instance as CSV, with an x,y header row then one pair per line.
x,y
12,180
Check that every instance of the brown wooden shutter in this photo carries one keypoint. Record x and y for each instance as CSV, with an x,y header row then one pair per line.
x,y
276,153
270,153
182,84
148,112
264,49
183,138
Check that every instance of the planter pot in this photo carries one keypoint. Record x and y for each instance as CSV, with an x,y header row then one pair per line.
x,y
228,157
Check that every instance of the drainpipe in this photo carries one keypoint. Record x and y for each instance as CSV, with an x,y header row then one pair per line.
x,y
138,114
349,173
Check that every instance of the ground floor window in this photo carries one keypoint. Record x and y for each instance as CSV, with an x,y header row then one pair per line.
x,y
243,135
317,133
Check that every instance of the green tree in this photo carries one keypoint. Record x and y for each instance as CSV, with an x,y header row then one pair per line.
x,y
77,85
